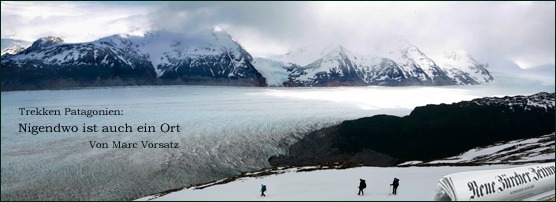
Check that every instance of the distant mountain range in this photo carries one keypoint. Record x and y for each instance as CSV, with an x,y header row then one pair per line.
x,y
405,65
214,57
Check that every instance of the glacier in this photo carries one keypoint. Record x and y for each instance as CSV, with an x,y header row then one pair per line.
x,y
225,131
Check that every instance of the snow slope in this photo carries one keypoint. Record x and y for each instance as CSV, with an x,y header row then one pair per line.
x,y
517,151
416,184
332,182
314,183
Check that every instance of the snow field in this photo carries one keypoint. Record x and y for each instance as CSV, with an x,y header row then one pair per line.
x,y
416,184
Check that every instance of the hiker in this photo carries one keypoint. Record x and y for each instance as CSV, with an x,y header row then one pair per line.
x,y
362,185
396,183
263,189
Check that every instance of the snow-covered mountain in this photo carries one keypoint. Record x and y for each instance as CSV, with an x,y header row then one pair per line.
x,y
461,66
402,64
212,54
49,63
211,57
338,67
416,66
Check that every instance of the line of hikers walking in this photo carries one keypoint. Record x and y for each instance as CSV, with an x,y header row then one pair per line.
x,y
362,185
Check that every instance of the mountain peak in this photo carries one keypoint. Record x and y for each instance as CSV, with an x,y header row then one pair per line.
x,y
306,54
56,40
44,42
456,54
220,33
339,50
137,32
217,29
461,66
395,48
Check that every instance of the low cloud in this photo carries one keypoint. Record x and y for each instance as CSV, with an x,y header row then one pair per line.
x,y
73,21
523,32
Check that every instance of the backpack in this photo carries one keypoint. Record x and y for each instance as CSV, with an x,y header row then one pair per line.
x,y
396,182
264,188
363,184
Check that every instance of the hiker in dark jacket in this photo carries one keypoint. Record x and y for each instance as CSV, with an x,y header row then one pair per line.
x,y
263,189
396,183
362,185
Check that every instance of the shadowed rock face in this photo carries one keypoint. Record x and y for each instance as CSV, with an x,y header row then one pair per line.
x,y
319,147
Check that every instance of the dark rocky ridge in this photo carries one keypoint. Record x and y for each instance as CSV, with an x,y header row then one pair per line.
x,y
429,132
44,43
318,147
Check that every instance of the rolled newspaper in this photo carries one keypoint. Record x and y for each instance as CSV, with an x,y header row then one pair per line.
x,y
534,182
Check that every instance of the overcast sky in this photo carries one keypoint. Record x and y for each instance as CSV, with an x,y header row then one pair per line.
x,y
523,32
